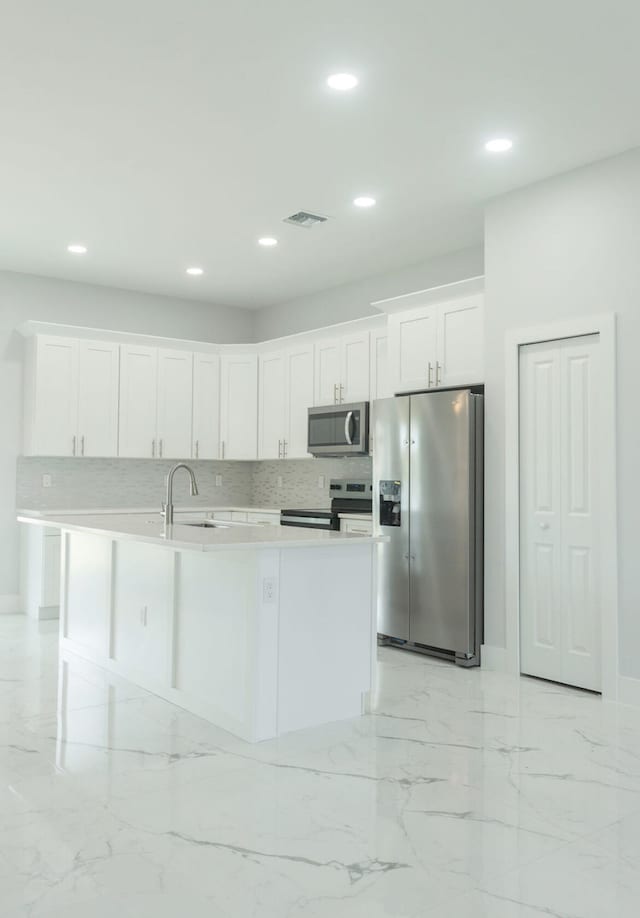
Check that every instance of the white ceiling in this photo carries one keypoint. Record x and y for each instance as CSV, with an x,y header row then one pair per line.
x,y
165,134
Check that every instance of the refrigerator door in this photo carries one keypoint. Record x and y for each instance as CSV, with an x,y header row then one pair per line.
x,y
391,496
442,510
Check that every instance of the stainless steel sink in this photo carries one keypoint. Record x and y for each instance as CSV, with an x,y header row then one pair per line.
x,y
202,524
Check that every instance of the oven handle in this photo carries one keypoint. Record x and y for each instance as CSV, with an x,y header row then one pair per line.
x,y
347,427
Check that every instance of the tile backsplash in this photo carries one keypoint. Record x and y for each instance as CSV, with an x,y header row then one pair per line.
x,y
111,483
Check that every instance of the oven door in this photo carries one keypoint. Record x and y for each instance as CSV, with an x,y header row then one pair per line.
x,y
339,430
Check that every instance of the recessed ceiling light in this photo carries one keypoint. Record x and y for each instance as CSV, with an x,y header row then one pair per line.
x,y
498,145
364,201
267,241
342,81
77,249
195,272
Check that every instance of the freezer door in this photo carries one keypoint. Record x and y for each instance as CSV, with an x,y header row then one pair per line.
x,y
391,492
442,510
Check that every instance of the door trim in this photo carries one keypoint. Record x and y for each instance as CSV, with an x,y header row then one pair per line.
x,y
605,326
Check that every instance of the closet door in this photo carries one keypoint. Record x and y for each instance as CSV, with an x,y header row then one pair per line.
x,y
560,630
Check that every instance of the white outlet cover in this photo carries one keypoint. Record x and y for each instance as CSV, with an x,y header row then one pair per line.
x,y
321,480
218,481
279,481
47,480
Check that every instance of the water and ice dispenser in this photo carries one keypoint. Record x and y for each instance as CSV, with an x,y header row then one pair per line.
x,y
390,503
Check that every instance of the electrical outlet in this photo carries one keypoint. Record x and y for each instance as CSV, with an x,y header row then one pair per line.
x,y
279,481
47,480
269,589
321,480
218,481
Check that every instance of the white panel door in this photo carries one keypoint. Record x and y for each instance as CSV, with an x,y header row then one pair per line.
x,y
380,383
99,364
460,357
271,405
412,349
239,406
138,401
56,397
559,568
299,398
206,406
175,403
327,372
354,374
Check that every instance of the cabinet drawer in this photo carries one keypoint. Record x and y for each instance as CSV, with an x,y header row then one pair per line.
x,y
266,519
357,527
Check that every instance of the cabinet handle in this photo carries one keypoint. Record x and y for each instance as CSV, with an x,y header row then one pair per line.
x,y
153,449
160,447
438,373
74,445
430,376
82,445
284,449
279,449
335,393
222,449
341,387
197,449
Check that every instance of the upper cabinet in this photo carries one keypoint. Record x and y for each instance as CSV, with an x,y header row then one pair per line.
x,y
380,381
342,369
437,345
138,401
71,397
285,395
206,406
175,394
239,406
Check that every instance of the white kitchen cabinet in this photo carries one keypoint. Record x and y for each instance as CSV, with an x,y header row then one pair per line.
x,y
437,345
138,401
239,516
206,406
98,385
142,609
263,518
175,395
272,390
342,369
286,394
239,406
460,357
71,397
380,383
40,571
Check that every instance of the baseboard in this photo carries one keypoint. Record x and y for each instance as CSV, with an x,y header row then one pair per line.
x,y
629,690
493,658
10,604
48,613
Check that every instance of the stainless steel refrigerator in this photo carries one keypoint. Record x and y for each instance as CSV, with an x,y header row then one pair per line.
x,y
428,498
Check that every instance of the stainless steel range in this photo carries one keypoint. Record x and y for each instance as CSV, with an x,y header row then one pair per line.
x,y
353,495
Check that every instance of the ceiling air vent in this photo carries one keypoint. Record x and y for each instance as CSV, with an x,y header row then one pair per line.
x,y
305,219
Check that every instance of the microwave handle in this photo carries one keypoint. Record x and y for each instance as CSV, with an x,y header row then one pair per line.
x,y
347,427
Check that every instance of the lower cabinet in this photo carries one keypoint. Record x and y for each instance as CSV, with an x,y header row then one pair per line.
x,y
142,609
40,572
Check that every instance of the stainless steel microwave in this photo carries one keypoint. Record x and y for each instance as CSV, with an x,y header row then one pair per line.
x,y
339,430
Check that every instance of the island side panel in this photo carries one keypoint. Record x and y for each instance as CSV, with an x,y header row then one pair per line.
x,y
86,594
325,635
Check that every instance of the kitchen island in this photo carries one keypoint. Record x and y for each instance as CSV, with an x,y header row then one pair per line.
x,y
258,629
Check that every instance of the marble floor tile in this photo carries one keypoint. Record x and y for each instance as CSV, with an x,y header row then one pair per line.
x,y
463,793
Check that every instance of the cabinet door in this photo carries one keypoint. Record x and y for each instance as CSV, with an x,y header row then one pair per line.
x,y
271,411
327,372
354,375
412,349
55,398
380,384
206,406
138,401
99,363
239,406
175,403
299,398
357,527
460,342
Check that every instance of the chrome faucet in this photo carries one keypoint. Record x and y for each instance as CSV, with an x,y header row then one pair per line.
x,y
167,507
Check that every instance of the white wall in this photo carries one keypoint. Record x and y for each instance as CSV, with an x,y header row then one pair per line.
x,y
24,297
567,247
353,301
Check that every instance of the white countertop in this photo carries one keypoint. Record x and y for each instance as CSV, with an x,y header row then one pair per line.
x,y
120,511
141,527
